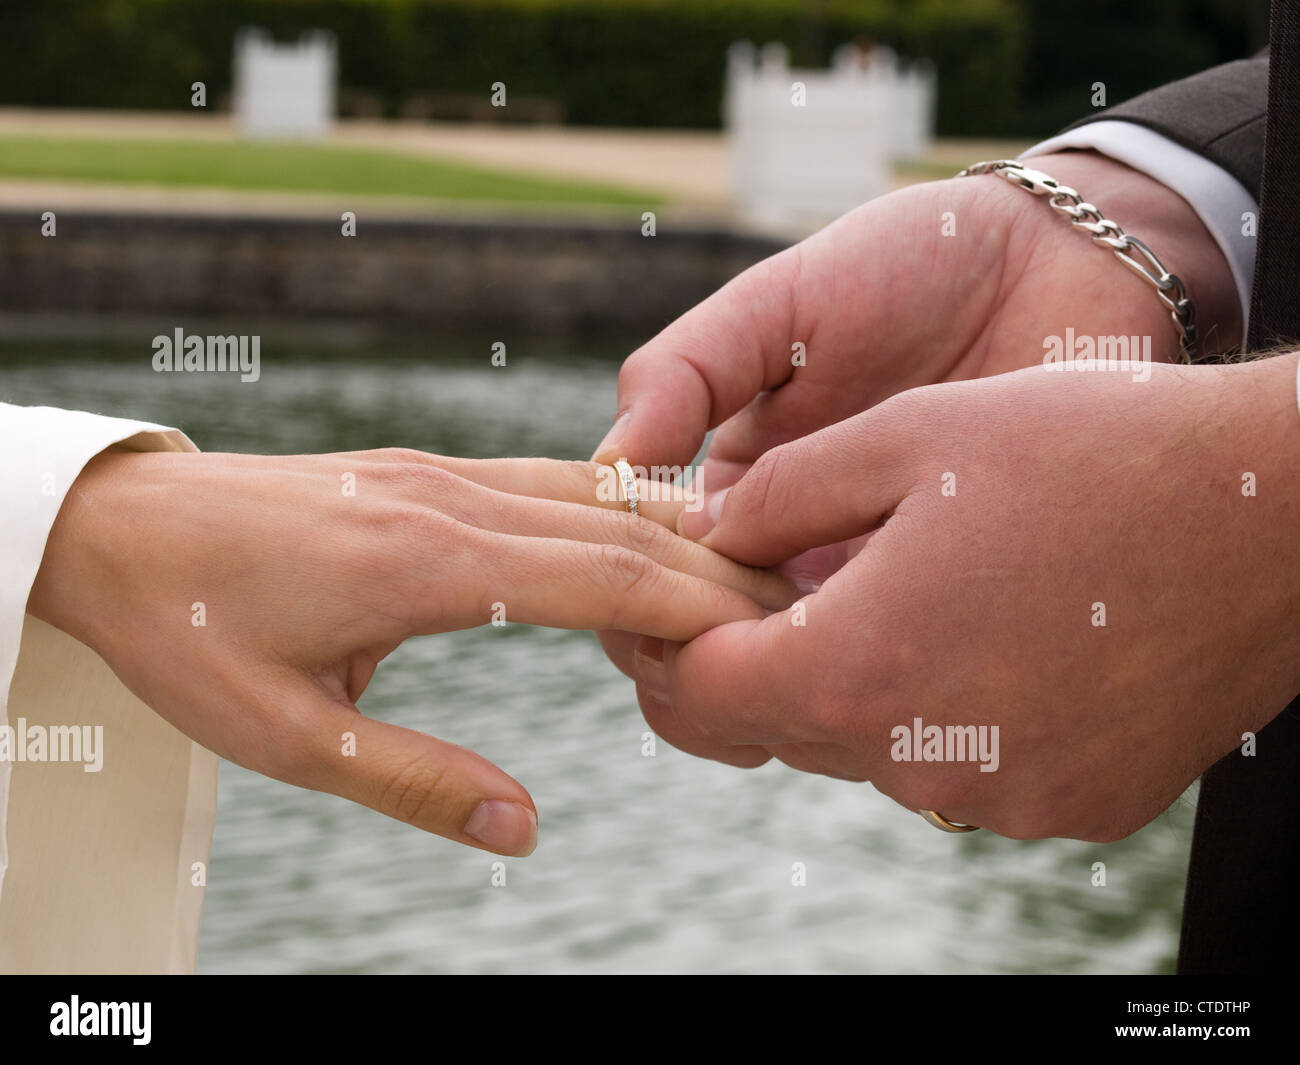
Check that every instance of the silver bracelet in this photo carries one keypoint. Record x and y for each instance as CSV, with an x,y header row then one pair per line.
x,y
1169,288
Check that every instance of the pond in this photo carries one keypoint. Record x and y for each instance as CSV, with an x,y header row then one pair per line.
x,y
660,864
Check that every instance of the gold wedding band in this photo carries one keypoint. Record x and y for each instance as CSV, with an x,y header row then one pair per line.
x,y
943,824
628,478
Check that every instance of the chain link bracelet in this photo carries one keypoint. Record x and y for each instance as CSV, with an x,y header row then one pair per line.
x,y
1169,288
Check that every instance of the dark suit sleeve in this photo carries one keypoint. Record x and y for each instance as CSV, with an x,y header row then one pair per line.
x,y
1218,113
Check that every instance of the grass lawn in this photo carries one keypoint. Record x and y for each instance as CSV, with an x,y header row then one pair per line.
x,y
316,168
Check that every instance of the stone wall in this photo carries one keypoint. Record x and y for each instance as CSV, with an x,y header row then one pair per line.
x,y
557,277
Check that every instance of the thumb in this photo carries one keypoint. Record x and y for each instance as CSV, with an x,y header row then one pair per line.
x,y
407,775
705,366
829,486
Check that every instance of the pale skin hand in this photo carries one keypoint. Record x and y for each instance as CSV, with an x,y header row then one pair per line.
x,y
979,608
305,589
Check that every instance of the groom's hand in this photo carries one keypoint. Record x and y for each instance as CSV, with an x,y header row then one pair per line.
x,y
1103,569
943,281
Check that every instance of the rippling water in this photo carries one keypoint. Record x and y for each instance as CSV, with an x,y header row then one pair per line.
x,y
661,863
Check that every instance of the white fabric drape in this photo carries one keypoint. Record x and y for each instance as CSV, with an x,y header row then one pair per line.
x,y
99,871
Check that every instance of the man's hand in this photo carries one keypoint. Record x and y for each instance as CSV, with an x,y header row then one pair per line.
x,y
308,570
1105,569
943,281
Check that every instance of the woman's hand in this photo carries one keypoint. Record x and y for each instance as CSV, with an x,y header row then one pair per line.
x,y
248,599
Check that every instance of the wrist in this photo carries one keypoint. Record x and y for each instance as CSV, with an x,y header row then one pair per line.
x,y
1166,223
79,553
1252,409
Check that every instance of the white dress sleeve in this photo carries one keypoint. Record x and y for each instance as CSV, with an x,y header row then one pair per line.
x,y
101,869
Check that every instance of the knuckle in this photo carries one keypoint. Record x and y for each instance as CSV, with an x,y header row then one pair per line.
x,y
571,480
583,474
414,535
432,481
421,525
1025,825
401,456
746,757
405,489
719,599
911,415
412,793
903,404
643,535
1109,822
761,483
404,471
1110,833
642,359
620,569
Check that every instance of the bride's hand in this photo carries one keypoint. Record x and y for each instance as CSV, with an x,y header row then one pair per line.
x,y
306,571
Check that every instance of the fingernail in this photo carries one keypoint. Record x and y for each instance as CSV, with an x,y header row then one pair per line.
x,y
609,447
696,523
649,658
806,586
505,827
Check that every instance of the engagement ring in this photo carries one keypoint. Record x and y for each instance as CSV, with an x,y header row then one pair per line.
x,y
628,478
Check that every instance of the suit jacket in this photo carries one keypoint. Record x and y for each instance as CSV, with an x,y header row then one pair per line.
x,y
1245,861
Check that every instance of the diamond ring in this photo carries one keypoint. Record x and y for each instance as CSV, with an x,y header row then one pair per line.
x,y
628,478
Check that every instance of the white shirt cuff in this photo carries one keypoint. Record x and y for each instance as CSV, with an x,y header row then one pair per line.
x,y
1218,198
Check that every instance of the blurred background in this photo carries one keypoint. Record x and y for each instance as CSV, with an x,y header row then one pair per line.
x,y
385,191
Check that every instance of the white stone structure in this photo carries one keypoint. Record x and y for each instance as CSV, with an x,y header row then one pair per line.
x,y
814,142
284,90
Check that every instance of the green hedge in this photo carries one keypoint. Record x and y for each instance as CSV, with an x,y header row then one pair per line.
x,y
1005,66
630,62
